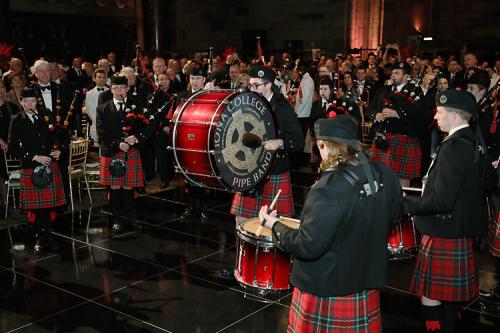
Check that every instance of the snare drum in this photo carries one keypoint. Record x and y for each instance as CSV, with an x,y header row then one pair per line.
x,y
403,237
207,131
258,263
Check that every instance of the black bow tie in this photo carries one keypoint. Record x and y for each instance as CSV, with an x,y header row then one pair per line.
x,y
43,88
100,89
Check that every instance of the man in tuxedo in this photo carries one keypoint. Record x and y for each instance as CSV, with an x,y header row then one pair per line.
x,y
135,93
470,67
77,75
453,68
364,86
180,80
113,66
91,98
234,75
53,104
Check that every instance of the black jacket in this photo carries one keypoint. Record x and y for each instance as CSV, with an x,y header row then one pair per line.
x,y
450,206
413,117
27,139
109,125
289,131
341,245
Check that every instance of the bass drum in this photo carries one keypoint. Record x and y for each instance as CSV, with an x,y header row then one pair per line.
x,y
207,131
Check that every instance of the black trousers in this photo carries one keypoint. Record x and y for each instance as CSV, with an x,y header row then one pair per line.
x,y
164,157
148,159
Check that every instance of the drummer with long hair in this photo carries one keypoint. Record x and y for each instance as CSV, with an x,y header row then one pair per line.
x,y
340,247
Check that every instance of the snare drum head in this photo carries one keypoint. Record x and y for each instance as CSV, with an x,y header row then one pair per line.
x,y
243,168
249,227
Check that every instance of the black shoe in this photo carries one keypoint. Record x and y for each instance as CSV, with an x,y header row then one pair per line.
x,y
40,246
204,217
141,190
118,226
226,274
163,185
187,213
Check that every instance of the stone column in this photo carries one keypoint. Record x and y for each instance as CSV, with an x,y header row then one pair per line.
x,y
367,22
155,25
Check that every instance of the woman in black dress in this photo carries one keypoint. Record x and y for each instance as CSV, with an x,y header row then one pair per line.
x,y
7,109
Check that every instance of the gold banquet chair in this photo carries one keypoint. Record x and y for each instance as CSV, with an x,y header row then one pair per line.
x,y
13,182
366,128
78,150
85,125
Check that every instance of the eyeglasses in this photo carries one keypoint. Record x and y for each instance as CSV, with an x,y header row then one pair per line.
x,y
255,86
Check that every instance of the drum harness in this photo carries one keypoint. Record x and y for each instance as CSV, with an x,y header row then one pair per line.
x,y
364,190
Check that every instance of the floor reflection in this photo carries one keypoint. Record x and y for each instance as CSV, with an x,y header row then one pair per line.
x,y
159,275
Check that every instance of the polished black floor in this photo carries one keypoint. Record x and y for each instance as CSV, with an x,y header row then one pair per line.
x,y
159,276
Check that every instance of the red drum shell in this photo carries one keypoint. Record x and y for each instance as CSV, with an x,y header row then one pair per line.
x,y
207,131
258,263
404,237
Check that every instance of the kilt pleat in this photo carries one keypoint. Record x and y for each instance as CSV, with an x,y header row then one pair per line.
x,y
32,197
359,312
248,206
133,176
403,155
445,269
494,235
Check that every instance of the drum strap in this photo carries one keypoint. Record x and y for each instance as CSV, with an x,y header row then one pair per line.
x,y
363,189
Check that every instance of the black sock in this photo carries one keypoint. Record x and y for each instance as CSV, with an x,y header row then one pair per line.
x,y
433,316
450,316
45,219
37,228
128,202
114,200
38,224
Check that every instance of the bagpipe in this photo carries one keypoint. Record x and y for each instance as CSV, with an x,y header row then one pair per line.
x,y
400,101
133,123
59,132
59,136
142,76
489,99
158,117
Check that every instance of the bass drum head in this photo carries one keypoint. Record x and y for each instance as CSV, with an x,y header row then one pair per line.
x,y
240,167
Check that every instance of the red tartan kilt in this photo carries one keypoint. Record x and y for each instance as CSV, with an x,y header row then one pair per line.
x,y
494,235
32,197
133,176
359,312
403,155
248,206
445,269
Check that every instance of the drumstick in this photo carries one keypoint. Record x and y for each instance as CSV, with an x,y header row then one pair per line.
x,y
270,209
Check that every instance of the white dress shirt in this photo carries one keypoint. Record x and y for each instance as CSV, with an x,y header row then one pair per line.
x,y
303,104
91,98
